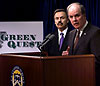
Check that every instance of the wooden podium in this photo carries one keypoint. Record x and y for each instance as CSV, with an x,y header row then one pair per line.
x,y
75,70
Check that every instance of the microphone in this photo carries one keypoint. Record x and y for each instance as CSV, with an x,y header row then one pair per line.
x,y
46,40
46,37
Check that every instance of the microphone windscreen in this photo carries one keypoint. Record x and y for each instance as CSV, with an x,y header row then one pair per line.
x,y
48,35
52,36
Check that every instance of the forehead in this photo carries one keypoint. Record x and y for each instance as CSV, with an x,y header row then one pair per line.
x,y
59,14
74,9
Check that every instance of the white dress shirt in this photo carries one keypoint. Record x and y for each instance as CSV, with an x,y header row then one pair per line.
x,y
64,32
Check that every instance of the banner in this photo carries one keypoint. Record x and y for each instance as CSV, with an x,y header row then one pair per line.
x,y
17,37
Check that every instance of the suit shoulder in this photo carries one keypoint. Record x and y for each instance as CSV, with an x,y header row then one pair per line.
x,y
72,31
93,27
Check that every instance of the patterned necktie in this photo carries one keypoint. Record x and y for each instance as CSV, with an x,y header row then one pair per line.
x,y
77,38
61,40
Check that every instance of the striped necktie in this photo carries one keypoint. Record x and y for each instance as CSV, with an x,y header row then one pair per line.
x,y
76,38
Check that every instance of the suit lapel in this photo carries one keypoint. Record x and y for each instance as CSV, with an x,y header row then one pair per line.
x,y
56,41
71,40
65,42
82,38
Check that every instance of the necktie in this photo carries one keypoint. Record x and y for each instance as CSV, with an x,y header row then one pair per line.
x,y
61,40
77,38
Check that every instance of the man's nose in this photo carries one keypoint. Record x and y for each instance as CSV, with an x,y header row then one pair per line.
x,y
74,18
59,19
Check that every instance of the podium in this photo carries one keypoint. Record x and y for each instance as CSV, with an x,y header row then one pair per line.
x,y
77,70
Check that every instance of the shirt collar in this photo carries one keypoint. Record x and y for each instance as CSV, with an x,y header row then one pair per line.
x,y
84,26
81,30
64,32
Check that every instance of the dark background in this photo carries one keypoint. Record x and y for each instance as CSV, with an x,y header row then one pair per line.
x,y
42,10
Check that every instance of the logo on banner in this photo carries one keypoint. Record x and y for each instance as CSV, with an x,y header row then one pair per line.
x,y
18,40
1,41
17,77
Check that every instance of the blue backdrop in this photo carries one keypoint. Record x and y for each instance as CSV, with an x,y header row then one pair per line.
x,y
42,10
92,11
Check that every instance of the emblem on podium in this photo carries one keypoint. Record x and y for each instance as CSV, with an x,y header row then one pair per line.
x,y
17,77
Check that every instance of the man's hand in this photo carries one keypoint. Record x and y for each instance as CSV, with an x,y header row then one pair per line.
x,y
66,52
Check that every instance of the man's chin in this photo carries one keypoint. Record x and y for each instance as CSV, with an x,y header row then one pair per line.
x,y
76,27
60,27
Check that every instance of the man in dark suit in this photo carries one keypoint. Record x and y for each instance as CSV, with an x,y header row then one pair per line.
x,y
53,46
88,39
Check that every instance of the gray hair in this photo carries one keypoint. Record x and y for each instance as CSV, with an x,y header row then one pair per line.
x,y
82,8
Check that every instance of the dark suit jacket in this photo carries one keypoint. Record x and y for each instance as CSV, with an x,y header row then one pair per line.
x,y
89,43
52,47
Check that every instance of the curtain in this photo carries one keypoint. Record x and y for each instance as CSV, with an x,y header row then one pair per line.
x,y
42,10
48,7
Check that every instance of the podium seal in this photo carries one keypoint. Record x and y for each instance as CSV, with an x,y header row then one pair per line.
x,y
17,77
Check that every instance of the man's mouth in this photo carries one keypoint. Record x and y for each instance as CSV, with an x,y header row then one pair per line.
x,y
76,24
60,24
